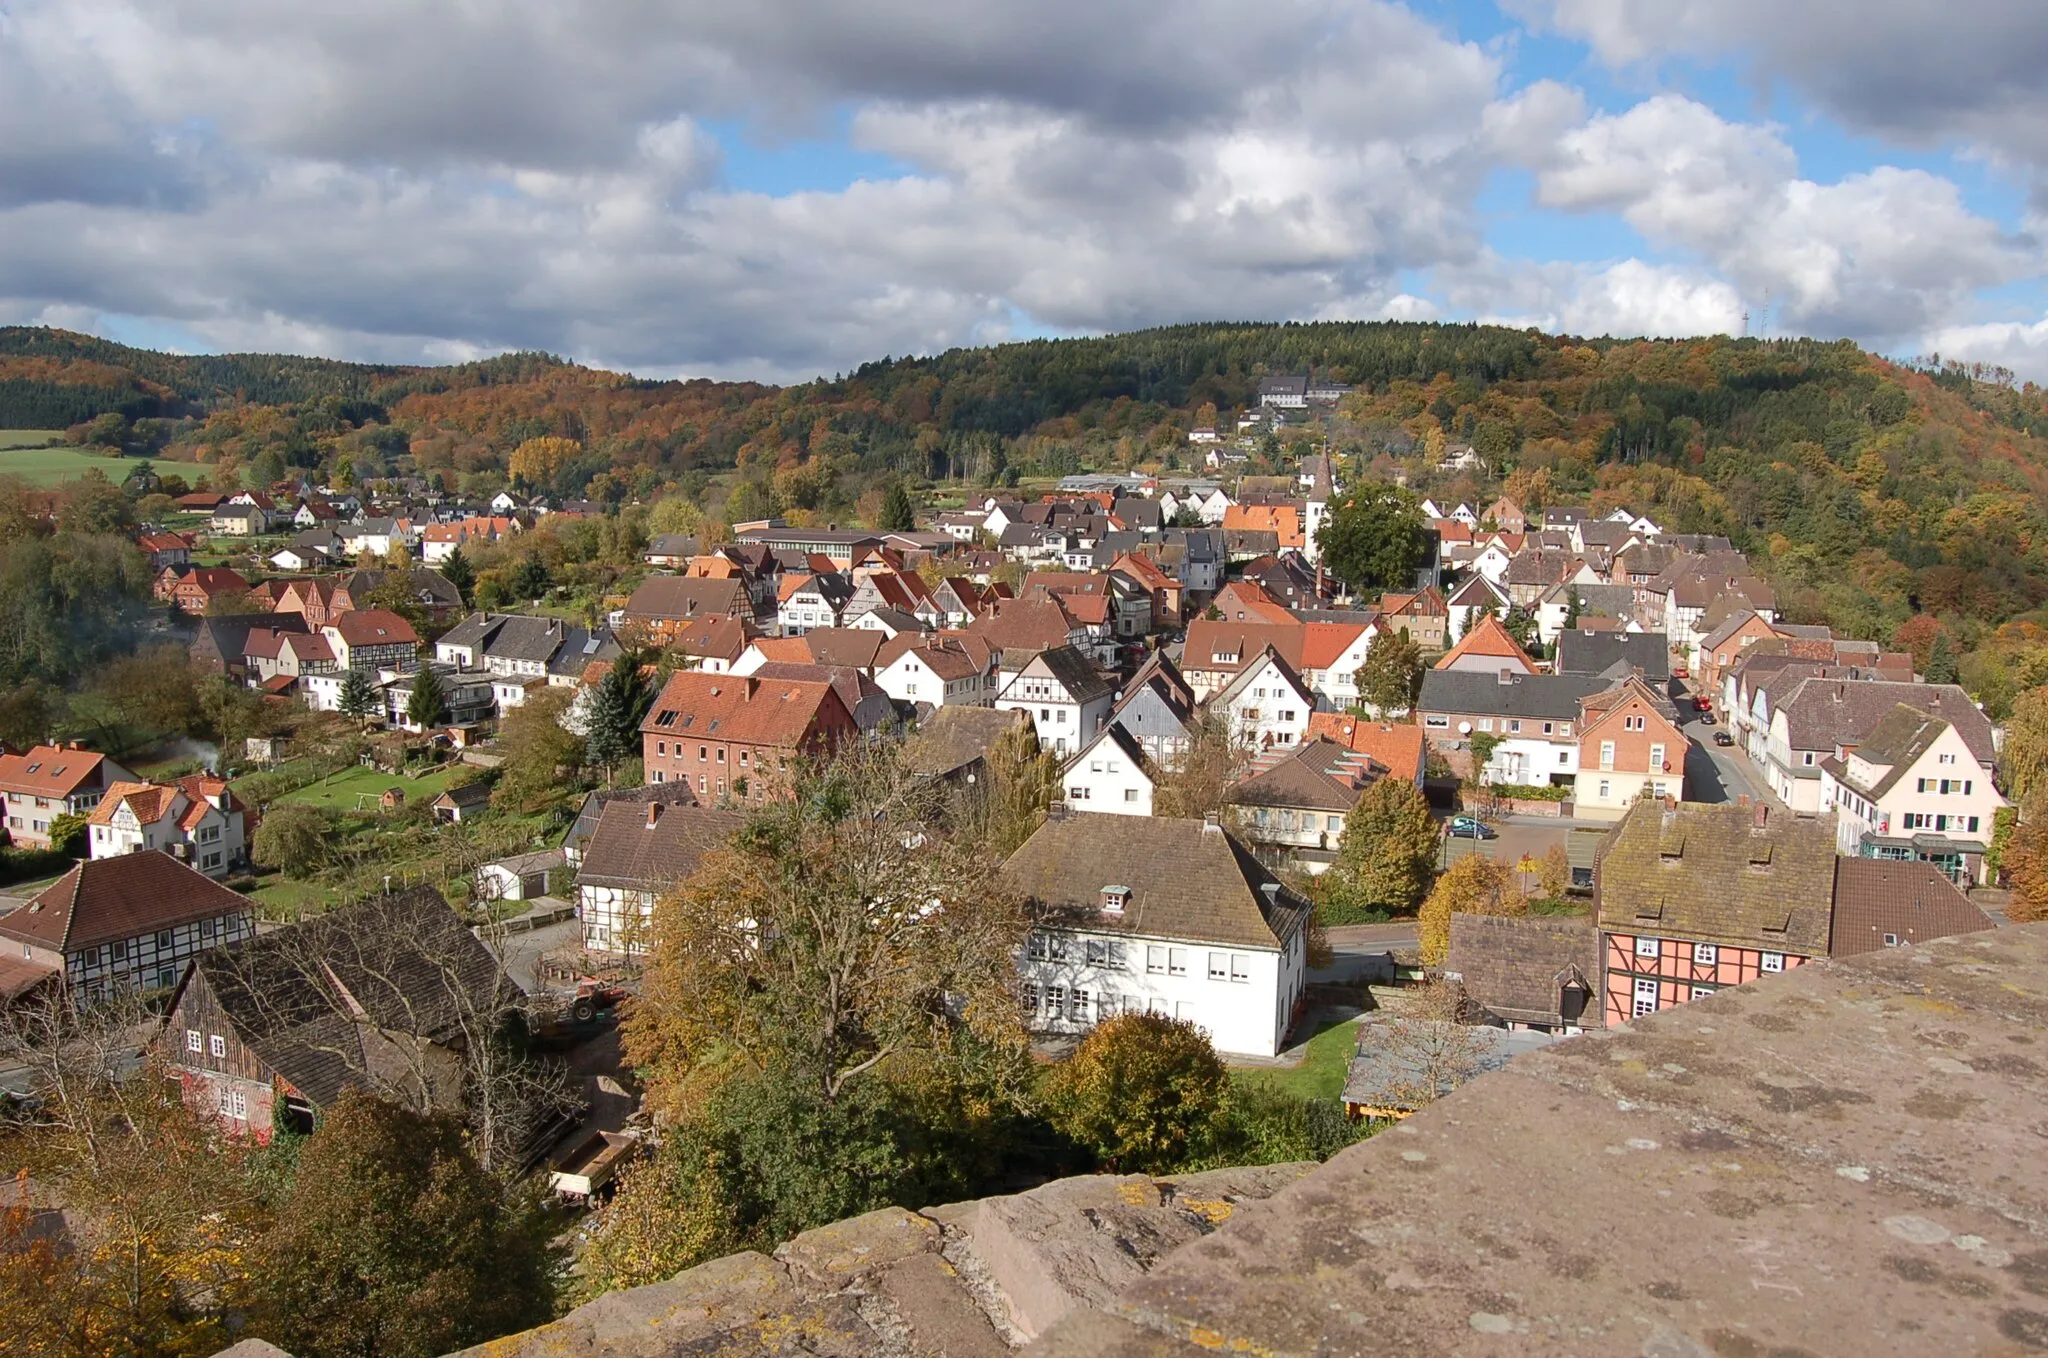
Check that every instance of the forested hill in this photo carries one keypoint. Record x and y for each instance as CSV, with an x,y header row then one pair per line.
x,y
1870,489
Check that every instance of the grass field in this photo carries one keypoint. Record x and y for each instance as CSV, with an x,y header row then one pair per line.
x,y
1323,1066
340,791
22,454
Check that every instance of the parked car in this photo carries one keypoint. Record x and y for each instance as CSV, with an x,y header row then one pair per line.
x,y
1706,719
1723,738
1466,827
1680,672
1703,703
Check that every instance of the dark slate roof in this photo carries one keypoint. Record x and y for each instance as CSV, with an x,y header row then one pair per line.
x,y
1712,874
1514,966
1913,902
104,899
1822,713
509,636
1074,672
406,960
1187,881
1896,744
626,851
1546,697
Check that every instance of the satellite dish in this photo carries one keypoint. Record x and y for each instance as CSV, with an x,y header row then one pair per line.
x,y
1464,728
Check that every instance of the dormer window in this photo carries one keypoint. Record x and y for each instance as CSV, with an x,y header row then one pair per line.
x,y
1114,899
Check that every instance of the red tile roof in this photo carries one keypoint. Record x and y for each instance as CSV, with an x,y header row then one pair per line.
x,y
49,771
375,627
785,714
105,899
1396,746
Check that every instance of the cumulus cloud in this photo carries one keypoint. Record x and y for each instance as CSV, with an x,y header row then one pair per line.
x,y
391,179
1911,71
1881,254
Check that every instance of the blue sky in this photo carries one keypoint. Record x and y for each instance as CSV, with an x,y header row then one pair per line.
x,y
795,186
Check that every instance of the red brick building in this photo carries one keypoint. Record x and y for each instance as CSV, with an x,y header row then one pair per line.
x,y
726,735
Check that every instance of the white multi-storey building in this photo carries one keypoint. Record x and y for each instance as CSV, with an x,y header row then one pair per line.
x,y
1171,917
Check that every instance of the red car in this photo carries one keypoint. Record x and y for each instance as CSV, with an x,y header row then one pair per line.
x,y
1703,703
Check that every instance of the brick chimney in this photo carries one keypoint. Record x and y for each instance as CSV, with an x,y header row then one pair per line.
x,y
653,813
1760,816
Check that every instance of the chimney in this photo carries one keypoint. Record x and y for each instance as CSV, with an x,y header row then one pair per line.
x,y
1211,825
1742,800
1056,810
653,813
1760,816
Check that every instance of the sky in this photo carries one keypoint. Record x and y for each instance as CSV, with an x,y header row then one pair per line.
x,y
785,188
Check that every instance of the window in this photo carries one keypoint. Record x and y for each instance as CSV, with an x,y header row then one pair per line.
x,y
227,1102
1176,961
217,1047
1632,723
1807,758
1646,996
1130,794
1116,954
1036,948
1077,1010
1705,954
703,754
1941,759
1891,940
1646,947
241,1105
1486,723
192,1040
1055,1001
1514,726
117,952
1240,967
1097,952
1219,966
1774,961
1435,721
1606,754
1656,757
1700,992
1155,959
1606,789
163,940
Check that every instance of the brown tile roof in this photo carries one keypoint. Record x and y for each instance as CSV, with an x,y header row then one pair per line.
x,y
673,597
1036,624
1396,747
406,962
713,638
1245,640
1895,744
945,656
1321,775
374,627
1913,902
1187,880
50,771
1743,876
104,899
18,976
653,846
1515,966
853,647
782,713
951,738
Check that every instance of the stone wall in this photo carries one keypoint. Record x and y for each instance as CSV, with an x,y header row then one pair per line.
x,y
970,1280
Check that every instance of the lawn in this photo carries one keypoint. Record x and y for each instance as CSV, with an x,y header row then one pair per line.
x,y
281,898
1323,1066
21,455
340,791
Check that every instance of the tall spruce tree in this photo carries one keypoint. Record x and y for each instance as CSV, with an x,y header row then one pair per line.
x,y
358,697
617,704
428,705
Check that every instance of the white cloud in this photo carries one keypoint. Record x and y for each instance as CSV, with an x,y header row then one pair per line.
x,y
2017,345
1880,254
395,179
1910,71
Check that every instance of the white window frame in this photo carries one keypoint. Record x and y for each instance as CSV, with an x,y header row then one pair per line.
x,y
193,1042
1649,947
1645,996
217,1047
1700,992
1705,955
1774,961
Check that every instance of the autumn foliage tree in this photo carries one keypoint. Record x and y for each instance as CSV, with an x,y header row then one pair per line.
x,y
394,1243
843,927
1474,885
1390,680
1386,857
1142,1091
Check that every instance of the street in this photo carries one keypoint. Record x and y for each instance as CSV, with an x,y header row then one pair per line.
x,y
1717,773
